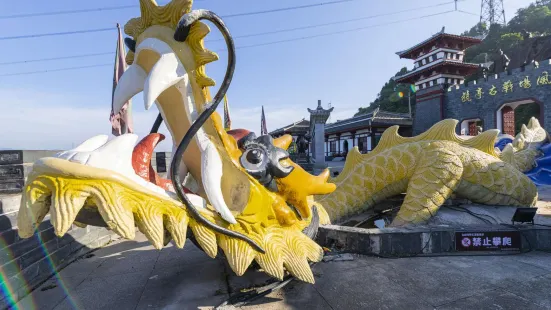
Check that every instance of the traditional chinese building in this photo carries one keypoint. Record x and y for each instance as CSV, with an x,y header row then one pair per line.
x,y
299,131
341,136
363,131
496,94
438,60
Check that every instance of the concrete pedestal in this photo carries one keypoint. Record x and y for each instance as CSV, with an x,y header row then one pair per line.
x,y
318,118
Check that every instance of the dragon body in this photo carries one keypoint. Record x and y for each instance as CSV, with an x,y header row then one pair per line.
x,y
430,168
251,200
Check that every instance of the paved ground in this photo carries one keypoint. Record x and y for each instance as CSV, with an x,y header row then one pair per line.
x,y
133,275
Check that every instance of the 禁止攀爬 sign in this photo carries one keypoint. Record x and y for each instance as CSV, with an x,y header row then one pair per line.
x,y
488,241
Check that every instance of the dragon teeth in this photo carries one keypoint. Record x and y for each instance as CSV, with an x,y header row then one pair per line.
x,y
35,205
300,269
151,225
177,229
205,237
211,174
64,210
238,253
118,218
272,265
166,72
130,84
114,155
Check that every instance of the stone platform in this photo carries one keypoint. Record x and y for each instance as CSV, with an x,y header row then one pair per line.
x,y
358,235
421,240
133,275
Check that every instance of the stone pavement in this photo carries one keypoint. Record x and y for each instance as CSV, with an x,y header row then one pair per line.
x,y
133,275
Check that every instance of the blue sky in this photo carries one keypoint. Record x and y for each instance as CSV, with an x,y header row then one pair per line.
x,y
58,110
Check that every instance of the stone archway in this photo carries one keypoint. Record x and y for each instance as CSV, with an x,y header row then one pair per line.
x,y
508,118
524,112
471,127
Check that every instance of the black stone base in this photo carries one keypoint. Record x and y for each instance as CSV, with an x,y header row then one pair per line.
x,y
419,241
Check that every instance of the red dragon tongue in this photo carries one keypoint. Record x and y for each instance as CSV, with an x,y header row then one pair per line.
x,y
141,162
141,156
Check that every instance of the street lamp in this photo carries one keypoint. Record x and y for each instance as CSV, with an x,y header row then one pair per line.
x,y
411,89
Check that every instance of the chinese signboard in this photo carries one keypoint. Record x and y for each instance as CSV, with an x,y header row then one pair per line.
x,y
487,241
506,87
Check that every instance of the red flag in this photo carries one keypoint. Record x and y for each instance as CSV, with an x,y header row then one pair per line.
x,y
263,128
121,123
227,119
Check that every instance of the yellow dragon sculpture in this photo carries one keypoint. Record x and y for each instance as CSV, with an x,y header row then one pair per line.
x,y
431,167
252,201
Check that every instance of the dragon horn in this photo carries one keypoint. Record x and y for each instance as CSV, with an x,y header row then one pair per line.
x,y
283,142
238,134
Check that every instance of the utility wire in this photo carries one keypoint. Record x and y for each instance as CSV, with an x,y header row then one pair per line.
x,y
54,58
253,34
56,34
336,32
285,9
256,45
234,15
56,70
107,29
112,8
468,13
337,22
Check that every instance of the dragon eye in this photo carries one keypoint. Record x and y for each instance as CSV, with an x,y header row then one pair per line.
x,y
255,156
255,161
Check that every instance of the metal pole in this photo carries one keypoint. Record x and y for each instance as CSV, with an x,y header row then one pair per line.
x,y
409,102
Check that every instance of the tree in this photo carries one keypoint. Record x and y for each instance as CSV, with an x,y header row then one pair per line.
x,y
383,99
510,40
535,18
478,30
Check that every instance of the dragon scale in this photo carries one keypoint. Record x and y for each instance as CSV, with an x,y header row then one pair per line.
x,y
429,170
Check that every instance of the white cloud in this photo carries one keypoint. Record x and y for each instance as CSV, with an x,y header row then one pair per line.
x,y
32,120
47,121
283,115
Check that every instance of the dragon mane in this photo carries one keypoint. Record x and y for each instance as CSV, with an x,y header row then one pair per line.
x,y
443,130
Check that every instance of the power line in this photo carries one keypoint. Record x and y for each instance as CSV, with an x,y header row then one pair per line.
x,y
137,6
68,12
285,9
256,45
110,8
337,32
56,70
335,23
54,58
468,13
256,34
234,15
56,34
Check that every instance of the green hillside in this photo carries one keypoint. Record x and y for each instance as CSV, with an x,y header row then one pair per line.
x,y
535,18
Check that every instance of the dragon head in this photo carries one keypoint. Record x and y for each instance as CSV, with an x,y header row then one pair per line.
x,y
523,151
252,201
